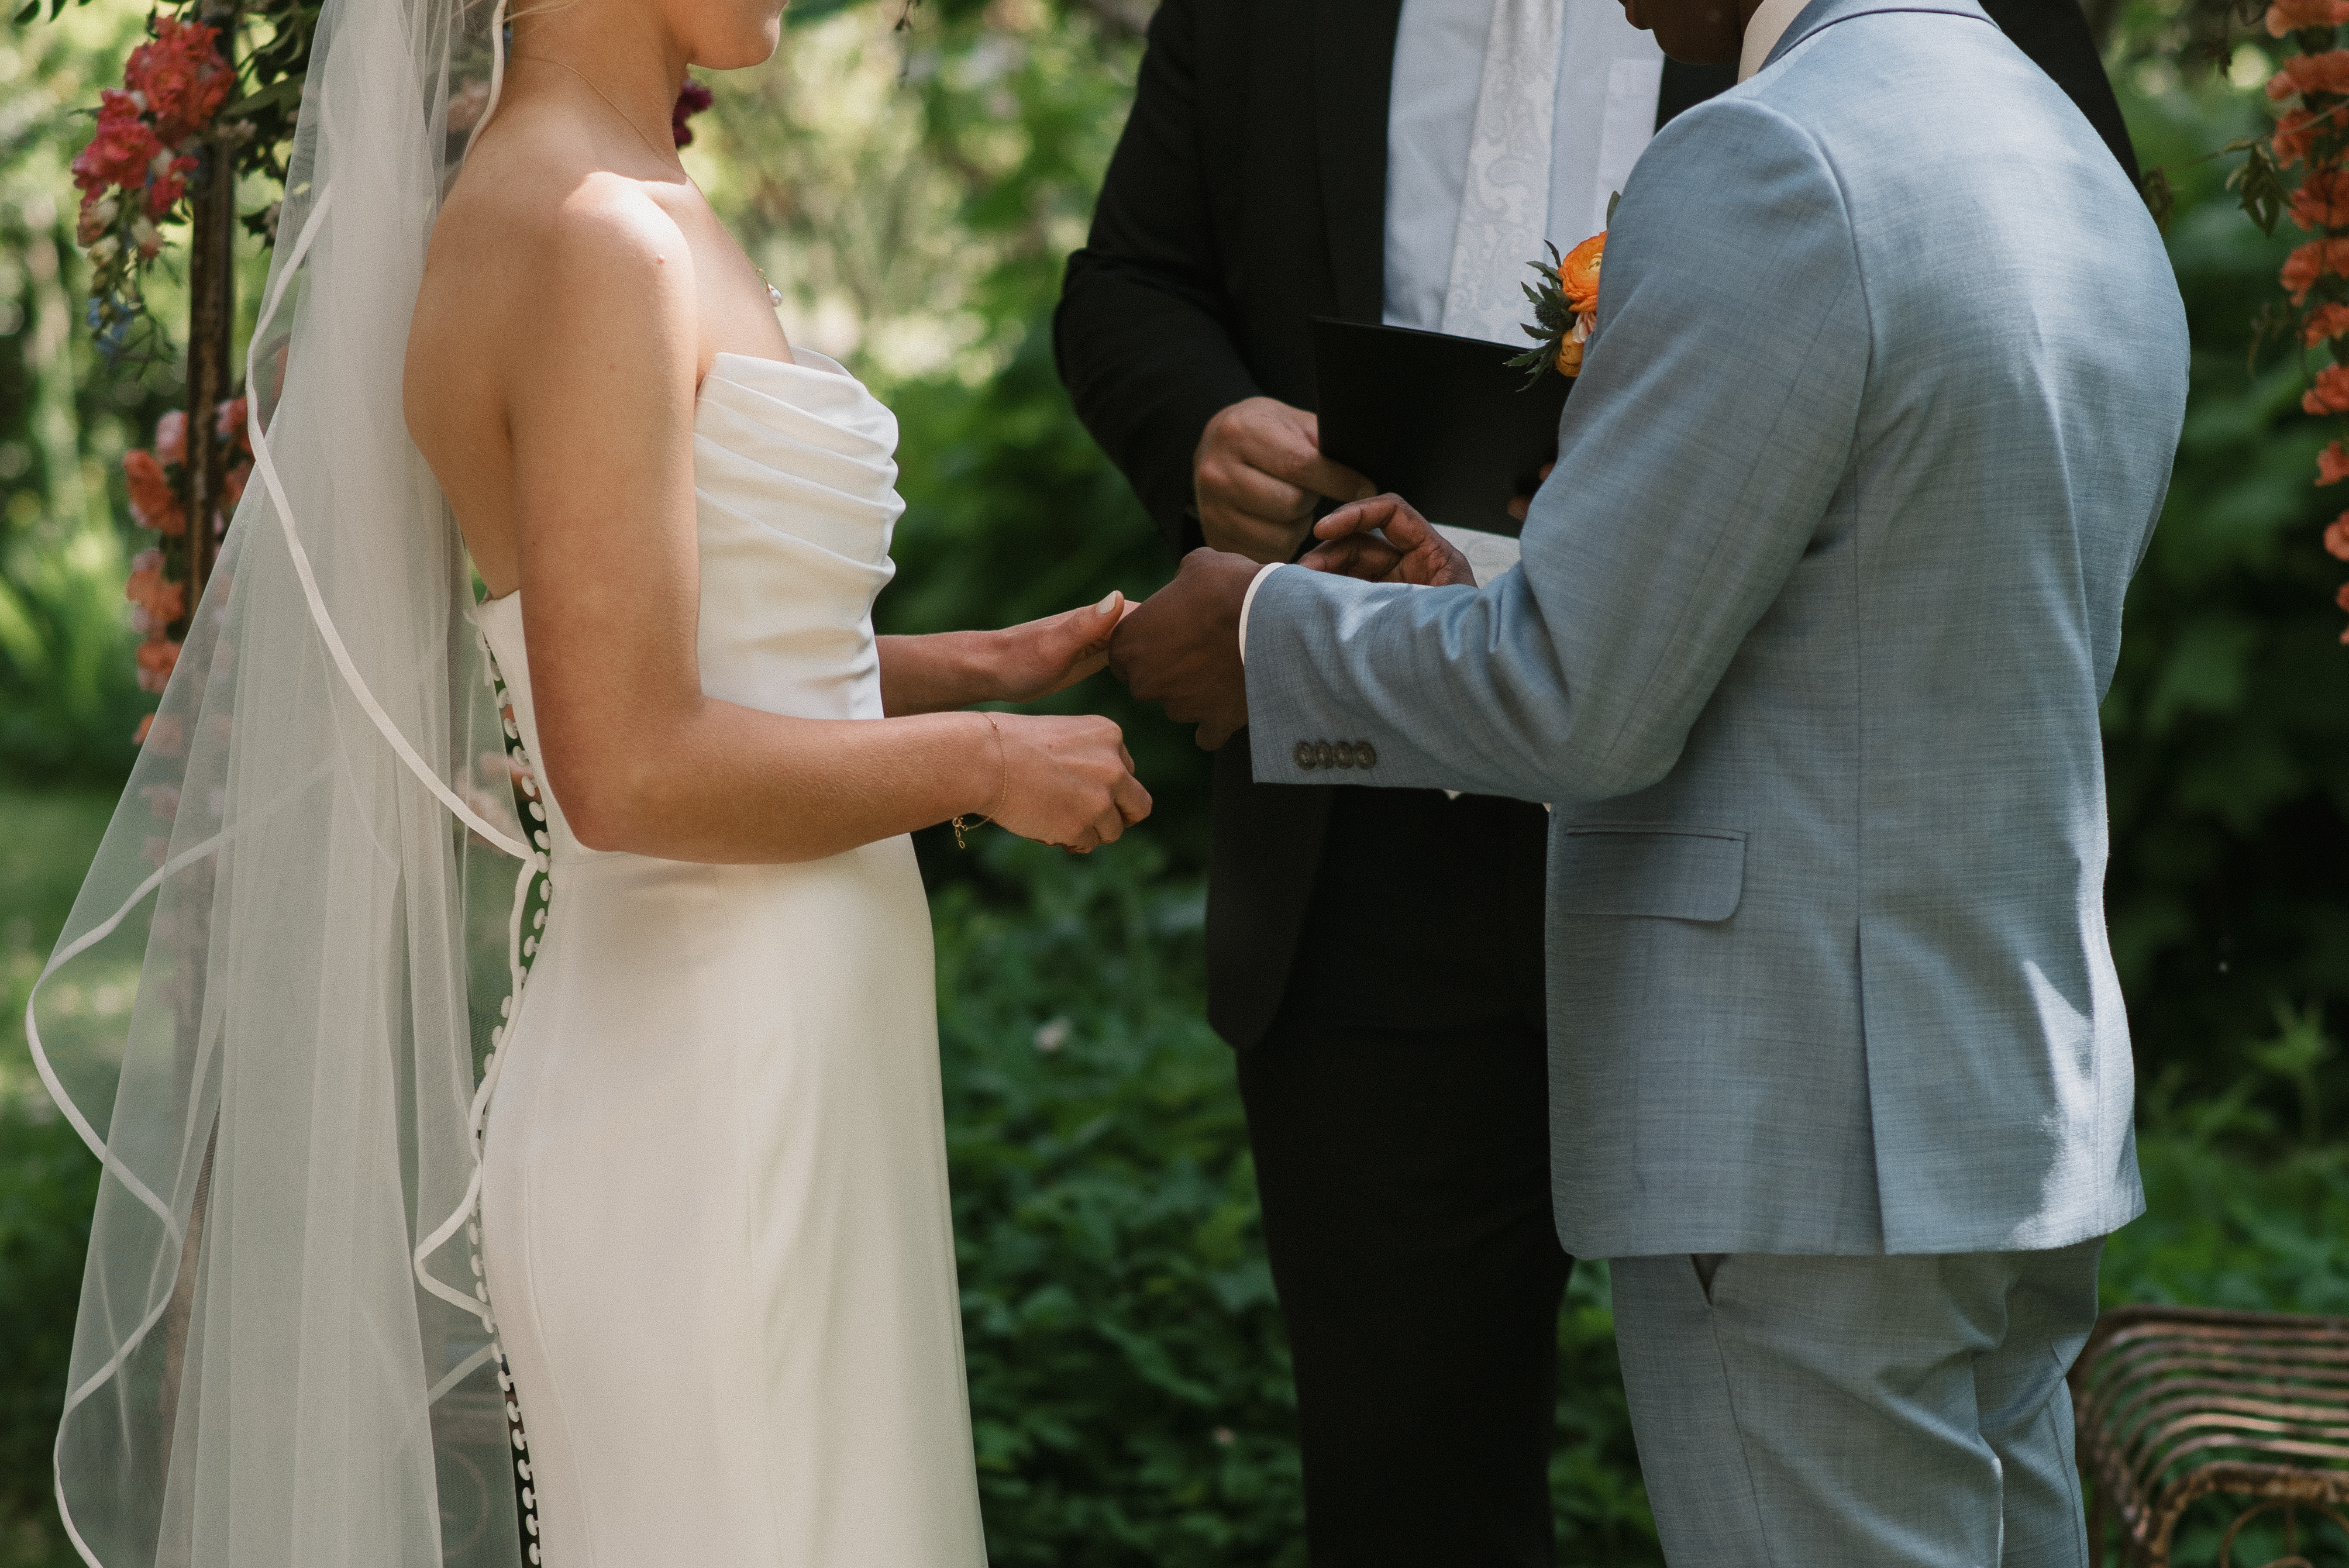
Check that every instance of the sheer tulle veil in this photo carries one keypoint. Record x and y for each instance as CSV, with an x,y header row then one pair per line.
x,y
284,1356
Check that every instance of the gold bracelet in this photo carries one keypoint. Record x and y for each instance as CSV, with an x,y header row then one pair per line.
x,y
1002,792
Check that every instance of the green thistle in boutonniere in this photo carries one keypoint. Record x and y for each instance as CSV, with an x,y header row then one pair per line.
x,y
1564,305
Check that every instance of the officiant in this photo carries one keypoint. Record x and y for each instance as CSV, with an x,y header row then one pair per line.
x,y
1376,955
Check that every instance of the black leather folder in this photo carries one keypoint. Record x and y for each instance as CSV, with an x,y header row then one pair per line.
x,y
1441,422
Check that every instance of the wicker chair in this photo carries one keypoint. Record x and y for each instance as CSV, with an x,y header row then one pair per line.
x,y
2179,1403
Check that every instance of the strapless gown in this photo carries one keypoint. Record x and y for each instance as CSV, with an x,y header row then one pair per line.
x,y
715,1220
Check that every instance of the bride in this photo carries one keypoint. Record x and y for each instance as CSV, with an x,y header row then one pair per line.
x,y
697,1203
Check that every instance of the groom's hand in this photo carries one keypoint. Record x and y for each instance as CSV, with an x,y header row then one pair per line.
x,y
1258,473
1384,539
1181,646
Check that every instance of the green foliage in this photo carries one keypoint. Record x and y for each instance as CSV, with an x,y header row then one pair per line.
x,y
1130,1382
47,1180
2227,735
68,695
48,1184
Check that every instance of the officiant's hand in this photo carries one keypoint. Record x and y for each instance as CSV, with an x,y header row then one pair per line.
x,y
1257,475
1411,551
1181,646
1520,505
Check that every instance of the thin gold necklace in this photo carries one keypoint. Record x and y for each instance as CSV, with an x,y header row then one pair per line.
x,y
775,294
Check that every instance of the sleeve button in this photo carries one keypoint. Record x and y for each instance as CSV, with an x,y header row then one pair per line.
x,y
1324,754
1305,755
1365,754
1345,754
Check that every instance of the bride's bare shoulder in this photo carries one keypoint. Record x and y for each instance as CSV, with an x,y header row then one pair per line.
x,y
537,230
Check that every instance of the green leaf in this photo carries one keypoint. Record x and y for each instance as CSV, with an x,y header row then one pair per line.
x,y
1614,200
2261,186
276,93
2160,200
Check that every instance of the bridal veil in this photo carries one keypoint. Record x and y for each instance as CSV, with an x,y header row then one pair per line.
x,y
283,1357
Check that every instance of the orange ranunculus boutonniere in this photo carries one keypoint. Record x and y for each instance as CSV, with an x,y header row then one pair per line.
x,y
1564,305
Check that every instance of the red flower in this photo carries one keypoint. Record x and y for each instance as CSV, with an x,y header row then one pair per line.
x,y
121,149
163,602
229,420
2330,394
2322,200
2336,537
168,737
2325,73
157,657
2324,324
172,438
2332,464
2311,261
139,736
153,504
2291,15
181,77
2295,135
171,183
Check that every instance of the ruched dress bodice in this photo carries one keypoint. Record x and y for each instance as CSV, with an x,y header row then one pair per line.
x,y
715,1218
794,484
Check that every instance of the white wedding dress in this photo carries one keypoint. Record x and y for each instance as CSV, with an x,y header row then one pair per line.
x,y
714,1217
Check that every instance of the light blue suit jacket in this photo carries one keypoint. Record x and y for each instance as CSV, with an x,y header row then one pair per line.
x,y
1807,645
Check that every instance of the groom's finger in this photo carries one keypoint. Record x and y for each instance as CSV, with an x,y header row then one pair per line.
x,y
1365,555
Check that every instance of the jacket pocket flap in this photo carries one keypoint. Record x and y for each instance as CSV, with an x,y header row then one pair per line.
x,y
1672,873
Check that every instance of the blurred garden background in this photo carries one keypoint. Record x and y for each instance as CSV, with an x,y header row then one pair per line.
x,y
914,191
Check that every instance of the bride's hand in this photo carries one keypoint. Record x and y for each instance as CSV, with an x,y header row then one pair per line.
x,y
1411,551
1067,780
1039,657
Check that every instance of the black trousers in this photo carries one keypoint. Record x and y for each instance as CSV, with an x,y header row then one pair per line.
x,y
1398,1110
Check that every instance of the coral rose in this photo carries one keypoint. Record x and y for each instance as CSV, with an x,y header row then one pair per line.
x,y
2322,200
2336,537
152,503
172,436
2332,464
181,77
2330,394
229,420
2325,73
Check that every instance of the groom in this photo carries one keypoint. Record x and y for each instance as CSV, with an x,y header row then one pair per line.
x,y
1806,647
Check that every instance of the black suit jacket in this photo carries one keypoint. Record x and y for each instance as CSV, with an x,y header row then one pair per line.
x,y
1248,195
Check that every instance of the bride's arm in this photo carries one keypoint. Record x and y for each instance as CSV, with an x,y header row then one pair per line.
x,y
943,670
599,390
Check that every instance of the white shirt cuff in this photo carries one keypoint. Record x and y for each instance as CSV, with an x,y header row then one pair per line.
x,y
1248,598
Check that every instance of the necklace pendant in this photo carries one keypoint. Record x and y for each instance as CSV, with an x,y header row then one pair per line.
x,y
774,296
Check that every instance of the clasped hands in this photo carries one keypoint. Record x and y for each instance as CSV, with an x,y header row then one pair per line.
x,y
1181,647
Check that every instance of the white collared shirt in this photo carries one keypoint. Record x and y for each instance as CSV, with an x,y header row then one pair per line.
x,y
1609,73
1762,31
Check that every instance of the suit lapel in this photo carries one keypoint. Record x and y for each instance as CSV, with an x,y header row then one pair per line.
x,y
1353,65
